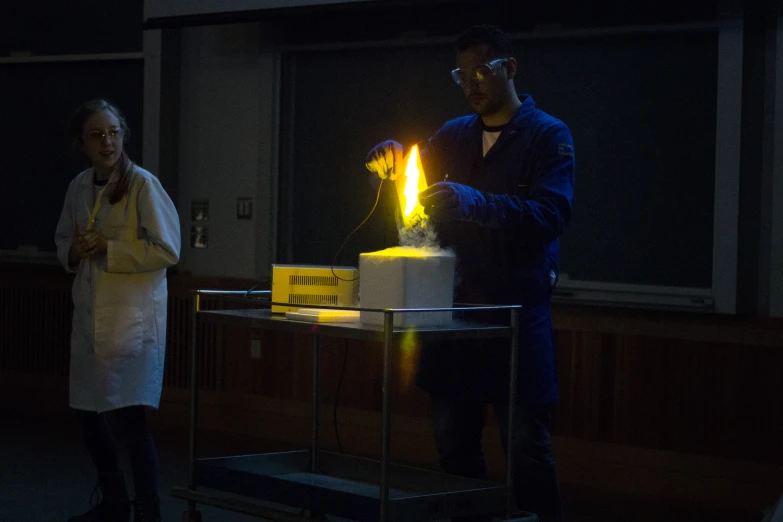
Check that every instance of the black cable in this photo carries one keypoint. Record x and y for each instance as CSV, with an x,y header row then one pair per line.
x,y
337,400
345,357
377,198
256,286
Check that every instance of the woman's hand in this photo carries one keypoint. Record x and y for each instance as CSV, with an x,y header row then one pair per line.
x,y
79,249
94,242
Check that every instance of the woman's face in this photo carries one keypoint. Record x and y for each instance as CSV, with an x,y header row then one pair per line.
x,y
102,140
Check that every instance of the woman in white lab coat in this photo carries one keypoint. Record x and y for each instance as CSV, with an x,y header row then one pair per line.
x,y
119,232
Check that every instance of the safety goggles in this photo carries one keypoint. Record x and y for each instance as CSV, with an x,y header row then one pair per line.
x,y
100,135
479,73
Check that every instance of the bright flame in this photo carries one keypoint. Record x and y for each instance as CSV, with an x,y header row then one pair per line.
x,y
412,174
409,186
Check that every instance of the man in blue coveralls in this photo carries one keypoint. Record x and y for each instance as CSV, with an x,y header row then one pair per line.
x,y
509,172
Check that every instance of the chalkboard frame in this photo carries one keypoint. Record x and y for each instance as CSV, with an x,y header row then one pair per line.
x,y
721,296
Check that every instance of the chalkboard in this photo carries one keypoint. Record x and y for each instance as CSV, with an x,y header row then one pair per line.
x,y
38,102
641,108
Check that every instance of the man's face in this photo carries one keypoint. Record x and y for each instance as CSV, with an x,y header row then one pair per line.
x,y
486,96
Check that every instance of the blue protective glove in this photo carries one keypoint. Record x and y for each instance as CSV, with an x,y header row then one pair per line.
x,y
385,159
447,201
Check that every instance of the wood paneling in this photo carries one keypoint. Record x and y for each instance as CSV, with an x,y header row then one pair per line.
x,y
35,323
585,378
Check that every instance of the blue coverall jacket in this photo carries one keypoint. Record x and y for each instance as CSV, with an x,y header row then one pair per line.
x,y
511,255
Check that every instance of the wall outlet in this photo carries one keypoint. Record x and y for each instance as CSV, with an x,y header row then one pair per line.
x,y
255,349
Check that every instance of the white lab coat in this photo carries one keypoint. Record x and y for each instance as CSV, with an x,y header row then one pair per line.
x,y
118,340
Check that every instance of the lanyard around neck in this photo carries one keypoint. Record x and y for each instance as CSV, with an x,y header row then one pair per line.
x,y
96,208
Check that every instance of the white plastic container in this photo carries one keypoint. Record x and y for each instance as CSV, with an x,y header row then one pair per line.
x,y
407,277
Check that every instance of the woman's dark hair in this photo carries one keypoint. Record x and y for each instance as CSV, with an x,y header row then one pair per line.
x,y
498,42
84,112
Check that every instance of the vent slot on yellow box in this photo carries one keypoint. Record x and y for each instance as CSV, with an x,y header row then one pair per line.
x,y
299,280
311,299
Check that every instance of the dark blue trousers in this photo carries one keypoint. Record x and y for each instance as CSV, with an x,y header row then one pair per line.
x,y
458,425
101,446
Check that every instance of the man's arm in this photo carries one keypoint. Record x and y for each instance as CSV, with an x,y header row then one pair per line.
x,y
541,216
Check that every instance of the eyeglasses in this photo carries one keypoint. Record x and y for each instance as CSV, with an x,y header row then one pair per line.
x,y
99,135
479,72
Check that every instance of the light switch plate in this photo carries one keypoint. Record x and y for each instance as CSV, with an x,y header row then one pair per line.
x,y
244,208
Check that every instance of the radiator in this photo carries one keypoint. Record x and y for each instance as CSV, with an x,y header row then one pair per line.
x,y
35,332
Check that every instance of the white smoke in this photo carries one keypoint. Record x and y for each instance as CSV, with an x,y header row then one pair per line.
x,y
420,234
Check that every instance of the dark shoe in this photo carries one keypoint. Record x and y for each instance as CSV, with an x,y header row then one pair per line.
x,y
146,509
108,509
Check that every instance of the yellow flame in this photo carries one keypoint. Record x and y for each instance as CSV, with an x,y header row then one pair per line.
x,y
409,186
412,174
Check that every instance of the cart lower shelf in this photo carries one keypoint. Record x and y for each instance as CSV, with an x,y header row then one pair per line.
x,y
348,486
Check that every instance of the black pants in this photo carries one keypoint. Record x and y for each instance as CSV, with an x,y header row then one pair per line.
x,y
143,455
458,425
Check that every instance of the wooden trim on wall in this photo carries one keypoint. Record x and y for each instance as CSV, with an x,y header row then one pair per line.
x,y
687,326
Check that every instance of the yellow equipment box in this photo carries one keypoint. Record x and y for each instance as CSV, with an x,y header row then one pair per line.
x,y
313,285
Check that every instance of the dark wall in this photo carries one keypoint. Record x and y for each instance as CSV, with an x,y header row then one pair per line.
x,y
760,22
383,19
44,27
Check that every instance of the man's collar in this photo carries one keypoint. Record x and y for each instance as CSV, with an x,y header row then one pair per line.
x,y
517,120
523,112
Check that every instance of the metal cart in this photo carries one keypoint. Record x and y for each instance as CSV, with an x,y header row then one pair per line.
x,y
321,482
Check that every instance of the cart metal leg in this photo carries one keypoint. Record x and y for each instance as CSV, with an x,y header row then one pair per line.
x,y
388,330
512,405
316,413
316,402
192,514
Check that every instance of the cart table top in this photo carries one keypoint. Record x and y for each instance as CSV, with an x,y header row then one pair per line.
x,y
265,319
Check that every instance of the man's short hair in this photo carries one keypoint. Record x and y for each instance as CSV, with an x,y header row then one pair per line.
x,y
498,42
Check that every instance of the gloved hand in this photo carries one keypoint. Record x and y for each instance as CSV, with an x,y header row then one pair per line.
x,y
447,201
385,159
